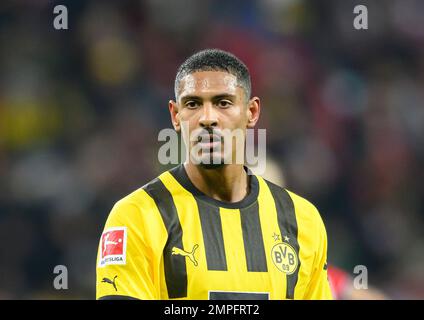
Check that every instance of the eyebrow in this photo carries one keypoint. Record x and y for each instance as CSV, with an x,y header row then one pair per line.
x,y
215,97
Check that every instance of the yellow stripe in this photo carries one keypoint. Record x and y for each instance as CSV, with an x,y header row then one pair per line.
x,y
156,228
233,240
307,239
192,232
269,226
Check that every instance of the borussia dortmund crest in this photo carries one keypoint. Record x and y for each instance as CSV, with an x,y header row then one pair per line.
x,y
285,258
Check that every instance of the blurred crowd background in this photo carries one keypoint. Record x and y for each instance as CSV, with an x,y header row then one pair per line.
x,y
80,112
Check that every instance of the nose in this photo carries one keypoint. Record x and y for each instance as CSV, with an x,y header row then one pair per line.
x,y
209,116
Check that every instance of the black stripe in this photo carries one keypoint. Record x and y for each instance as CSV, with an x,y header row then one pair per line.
x,y
288,226
117,297
175,265
210,220
252,238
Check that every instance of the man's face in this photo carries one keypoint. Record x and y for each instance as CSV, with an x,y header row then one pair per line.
x,y
213,106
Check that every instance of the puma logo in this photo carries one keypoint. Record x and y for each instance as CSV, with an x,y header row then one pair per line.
x,y
107,280
183,253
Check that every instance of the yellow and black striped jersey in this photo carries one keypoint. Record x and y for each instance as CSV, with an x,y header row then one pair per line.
x,y
168,240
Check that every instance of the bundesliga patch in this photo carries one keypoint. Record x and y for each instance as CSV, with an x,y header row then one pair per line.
x,y
113,246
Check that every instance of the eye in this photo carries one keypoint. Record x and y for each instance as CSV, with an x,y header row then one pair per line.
x,y
192,104
224,103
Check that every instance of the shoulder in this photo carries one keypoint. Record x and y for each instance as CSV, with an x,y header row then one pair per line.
x,y
136,204
307,213
312,231
304,208
138,213
308,217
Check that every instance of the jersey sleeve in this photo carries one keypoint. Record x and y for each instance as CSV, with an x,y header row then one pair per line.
x,y
125,263
319,287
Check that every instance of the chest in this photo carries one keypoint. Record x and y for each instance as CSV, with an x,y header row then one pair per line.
x,y
216,251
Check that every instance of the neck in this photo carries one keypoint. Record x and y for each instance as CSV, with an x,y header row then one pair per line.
x,y
227,183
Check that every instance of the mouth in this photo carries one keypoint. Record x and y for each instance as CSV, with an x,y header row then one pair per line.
x,y
209,141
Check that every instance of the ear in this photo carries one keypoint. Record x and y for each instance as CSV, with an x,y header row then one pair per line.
x,y
253,112
173,110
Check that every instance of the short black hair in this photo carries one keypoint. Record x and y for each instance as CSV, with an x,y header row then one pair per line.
x,y
215,60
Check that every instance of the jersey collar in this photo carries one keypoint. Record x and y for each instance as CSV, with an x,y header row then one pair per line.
x,y
180,174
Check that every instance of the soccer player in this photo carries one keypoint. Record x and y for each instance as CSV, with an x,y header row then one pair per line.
x,y
211,229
